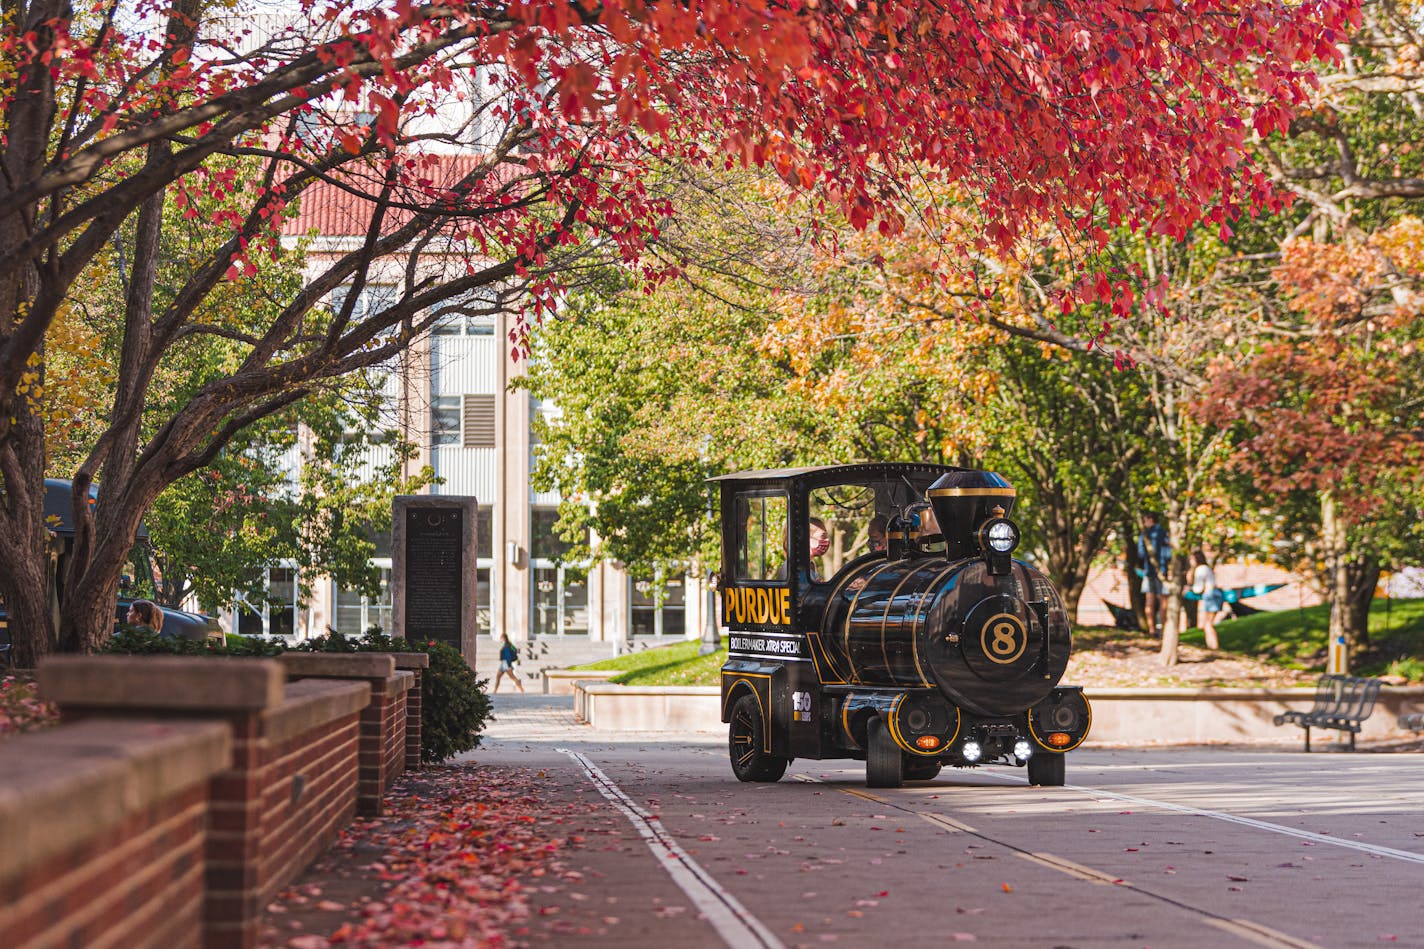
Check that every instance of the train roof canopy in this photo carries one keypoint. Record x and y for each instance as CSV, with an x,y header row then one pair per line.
x,y
871,469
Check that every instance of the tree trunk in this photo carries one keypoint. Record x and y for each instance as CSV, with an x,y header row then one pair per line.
x,y
1174,576
1136,599
1353,577
26,586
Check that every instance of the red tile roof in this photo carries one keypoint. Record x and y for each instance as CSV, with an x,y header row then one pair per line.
x,y
344,210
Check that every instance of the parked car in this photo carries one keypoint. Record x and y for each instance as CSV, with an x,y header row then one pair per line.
x,y
137,584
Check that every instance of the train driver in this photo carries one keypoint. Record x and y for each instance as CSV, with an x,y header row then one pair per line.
x,y
876,531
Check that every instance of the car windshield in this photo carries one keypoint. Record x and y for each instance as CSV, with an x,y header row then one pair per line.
x,y
140,578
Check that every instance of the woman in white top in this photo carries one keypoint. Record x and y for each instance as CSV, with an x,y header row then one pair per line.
x,y
1212,600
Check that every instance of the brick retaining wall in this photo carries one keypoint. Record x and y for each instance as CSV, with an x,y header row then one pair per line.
x,y
105,826
179,795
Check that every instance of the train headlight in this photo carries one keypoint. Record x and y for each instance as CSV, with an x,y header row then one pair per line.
x,y
1000,536
971,750
1022,749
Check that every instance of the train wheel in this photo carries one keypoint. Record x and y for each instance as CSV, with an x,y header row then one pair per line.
x,y
884,763
746,744
921,769
1047,769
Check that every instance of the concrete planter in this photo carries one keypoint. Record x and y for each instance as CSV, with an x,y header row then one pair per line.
x,y
1146,716
679,708
561,681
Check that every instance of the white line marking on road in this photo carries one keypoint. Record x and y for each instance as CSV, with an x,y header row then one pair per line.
x,y
1261,935
733,922
1375,849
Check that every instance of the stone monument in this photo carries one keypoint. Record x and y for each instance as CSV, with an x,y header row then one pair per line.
x,y
433,573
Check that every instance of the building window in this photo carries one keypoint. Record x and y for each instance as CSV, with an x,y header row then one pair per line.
x,y
484,534
560,602
274,614
373,298
354,613
560,595
472,316
479,414
445,420
658,606
546,544
484,605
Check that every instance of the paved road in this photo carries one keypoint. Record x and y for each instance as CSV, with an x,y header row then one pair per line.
x,y
1162,848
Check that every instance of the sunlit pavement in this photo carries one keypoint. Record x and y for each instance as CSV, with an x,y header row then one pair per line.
x,y
1166,847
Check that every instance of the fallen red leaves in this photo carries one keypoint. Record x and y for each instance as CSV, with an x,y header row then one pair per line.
x,y
449,865
20,709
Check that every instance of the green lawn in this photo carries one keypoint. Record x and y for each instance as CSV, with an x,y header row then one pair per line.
x,y
1296,638
1291,638
678,664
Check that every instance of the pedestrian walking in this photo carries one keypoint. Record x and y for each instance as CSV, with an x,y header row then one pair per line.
x,y
508,656
1155,551
1212,599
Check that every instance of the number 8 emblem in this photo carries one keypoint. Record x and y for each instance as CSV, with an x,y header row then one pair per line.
x,y
1004,638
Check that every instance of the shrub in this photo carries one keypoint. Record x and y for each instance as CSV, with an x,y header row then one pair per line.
x,y
454,705
1410,669
142,641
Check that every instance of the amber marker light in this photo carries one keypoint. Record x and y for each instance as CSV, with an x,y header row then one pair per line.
x,y
927,742
1059,739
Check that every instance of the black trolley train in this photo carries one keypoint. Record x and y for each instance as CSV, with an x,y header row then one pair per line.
x,y
934,647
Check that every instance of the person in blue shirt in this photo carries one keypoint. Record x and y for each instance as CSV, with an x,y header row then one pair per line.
x,y
1155,552
508,656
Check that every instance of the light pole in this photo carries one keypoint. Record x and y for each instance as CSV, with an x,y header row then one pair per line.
x,y
711,638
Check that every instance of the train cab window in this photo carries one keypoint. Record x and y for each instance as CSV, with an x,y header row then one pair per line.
x,y
849,513
761,537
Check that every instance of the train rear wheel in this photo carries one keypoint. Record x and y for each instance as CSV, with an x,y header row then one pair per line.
x,y
746,744
921,769
884,763
1047,769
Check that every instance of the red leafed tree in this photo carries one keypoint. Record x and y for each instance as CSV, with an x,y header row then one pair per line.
x,y
1034,112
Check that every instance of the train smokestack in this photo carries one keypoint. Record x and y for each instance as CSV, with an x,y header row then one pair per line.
x,y
962,501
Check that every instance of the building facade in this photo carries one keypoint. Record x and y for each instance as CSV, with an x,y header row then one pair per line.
x,y
450,394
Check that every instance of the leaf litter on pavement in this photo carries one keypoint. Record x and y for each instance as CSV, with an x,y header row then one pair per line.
x,y
453,863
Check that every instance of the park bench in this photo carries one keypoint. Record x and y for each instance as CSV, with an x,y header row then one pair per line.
x,y
1341,702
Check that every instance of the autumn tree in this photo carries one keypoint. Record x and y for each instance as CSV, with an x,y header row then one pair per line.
x,y
1323,402
112,111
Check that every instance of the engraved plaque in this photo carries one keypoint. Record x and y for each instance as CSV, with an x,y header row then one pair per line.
x,y
434,573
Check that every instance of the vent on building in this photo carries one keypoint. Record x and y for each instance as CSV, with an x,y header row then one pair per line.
x,y
479,421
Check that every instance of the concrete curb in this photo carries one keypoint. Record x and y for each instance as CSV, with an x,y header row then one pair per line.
x,y
1155,716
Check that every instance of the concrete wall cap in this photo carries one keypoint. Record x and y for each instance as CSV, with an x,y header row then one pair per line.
x,y
64,785
312,704
412,660
402,681
191,683
340,665
599,687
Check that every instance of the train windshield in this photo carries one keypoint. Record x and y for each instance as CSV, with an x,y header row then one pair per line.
x,y
855,514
